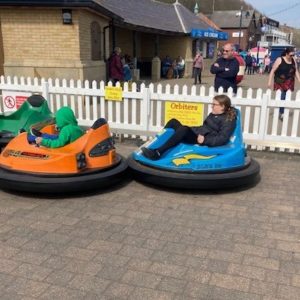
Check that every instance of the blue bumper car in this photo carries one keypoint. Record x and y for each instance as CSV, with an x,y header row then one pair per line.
x,y
197,167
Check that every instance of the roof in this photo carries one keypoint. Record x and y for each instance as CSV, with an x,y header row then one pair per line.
x,y
61,3
190,20
208,21
231,18
144,14
154,14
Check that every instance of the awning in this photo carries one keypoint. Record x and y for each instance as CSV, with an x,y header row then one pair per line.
x,y
209,33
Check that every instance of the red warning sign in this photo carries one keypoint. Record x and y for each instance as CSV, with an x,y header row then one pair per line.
x,y
20,100
12,100
9,102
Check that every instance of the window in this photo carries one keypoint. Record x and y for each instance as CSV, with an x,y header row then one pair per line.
x,y
210,49
96,41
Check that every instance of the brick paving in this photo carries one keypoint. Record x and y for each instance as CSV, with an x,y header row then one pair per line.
x,y
254,81
140,242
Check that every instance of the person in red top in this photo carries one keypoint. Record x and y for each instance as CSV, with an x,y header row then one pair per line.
x,y
284,72
115,66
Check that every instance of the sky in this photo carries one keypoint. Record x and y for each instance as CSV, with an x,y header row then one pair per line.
x,y
284,11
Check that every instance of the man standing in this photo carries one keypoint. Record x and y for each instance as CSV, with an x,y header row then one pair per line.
x,y
226,69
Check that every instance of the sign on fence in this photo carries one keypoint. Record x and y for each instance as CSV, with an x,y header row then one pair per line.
x,y
113,93
13,100
188,113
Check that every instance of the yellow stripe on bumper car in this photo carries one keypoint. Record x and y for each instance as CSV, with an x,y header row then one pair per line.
x,y
186,159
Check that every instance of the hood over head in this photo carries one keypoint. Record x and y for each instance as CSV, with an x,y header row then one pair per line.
x,y
65,116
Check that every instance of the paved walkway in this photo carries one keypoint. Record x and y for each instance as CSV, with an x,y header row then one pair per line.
x,y
254,81
139,242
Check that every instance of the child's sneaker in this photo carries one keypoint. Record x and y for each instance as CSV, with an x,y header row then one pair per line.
x,y
150,153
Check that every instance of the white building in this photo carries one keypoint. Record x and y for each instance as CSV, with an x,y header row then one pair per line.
x,y
273,35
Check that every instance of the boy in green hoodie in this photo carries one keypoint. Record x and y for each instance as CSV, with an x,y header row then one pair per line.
x,y
66,124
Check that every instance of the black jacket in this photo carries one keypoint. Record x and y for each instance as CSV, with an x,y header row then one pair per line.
x,y
223,78
248,60
216,129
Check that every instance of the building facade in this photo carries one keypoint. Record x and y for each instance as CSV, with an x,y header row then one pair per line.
x,y
243,27
273,34
42,46
74,39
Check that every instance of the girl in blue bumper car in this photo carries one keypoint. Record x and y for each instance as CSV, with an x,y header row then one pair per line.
x,y
215,131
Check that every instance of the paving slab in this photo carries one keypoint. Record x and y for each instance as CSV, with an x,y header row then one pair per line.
x,y
135,241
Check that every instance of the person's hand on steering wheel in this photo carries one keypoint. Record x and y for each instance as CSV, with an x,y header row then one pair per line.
x,y
38,140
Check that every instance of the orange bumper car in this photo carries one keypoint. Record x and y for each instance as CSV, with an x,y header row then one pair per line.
x,y
89,163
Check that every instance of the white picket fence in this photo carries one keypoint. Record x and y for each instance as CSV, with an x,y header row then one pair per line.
x,y
141,113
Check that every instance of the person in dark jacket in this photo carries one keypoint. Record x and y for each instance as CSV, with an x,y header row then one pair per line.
x,y
215,131
116,66
226,69
248,61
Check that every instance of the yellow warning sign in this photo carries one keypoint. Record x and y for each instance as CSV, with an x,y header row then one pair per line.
x,y
188,113
113,93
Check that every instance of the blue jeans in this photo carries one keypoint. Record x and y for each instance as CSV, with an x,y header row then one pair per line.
x,y
282,97
197,74
176,73
165,70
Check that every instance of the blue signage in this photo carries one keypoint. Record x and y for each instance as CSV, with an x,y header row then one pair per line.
x,y
209,33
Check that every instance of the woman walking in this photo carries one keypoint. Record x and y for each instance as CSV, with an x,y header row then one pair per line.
x,y
283,73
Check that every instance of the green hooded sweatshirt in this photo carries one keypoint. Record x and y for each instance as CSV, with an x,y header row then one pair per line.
x,y
66,124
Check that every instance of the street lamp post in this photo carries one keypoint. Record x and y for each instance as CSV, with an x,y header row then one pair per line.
x,y
251,38
241,17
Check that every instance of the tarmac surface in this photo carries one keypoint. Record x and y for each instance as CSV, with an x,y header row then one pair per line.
x,y
134,241
254,81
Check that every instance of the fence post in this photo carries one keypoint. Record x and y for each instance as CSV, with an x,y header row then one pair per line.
x,y
146,109
263,116
45,90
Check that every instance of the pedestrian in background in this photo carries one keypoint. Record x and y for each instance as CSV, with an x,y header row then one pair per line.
x,y
267,62
197,67
283,74
180,66
166,65
261,68
254,64
248,61
226,69
126,68
115,66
